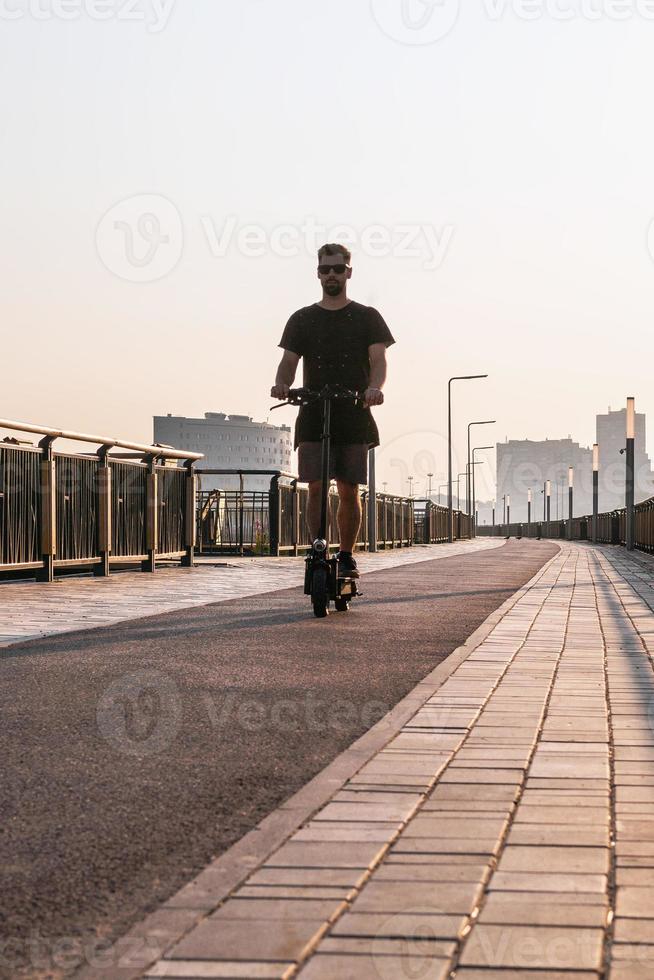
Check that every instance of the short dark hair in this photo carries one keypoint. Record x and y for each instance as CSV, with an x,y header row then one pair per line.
x,y
335,249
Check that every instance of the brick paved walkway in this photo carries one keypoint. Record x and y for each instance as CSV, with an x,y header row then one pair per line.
x,y
506,831
32,609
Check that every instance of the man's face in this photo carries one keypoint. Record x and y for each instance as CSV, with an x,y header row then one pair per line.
x,y
333,272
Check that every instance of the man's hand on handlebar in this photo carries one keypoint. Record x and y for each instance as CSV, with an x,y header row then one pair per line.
x,y
373,396
280,391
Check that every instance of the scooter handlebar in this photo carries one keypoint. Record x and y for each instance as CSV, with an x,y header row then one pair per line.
x,y
305,396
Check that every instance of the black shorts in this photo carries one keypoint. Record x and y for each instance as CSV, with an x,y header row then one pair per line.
x,y
348,463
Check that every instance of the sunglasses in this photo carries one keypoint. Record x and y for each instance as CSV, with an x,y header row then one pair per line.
x,y
338,269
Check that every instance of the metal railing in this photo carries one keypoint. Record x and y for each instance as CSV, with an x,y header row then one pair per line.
x,y
273,522
63,510
611,528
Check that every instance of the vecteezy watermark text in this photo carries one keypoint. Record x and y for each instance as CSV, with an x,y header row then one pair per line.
x,y
155,14
420,22
401,241
141,239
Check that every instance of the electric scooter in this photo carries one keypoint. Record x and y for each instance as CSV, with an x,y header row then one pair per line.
x,y
321,579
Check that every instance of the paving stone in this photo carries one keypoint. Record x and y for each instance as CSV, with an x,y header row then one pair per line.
x,y
383,947
450,845
635,901
344,854
631,971
417,923
548,947
573,860
470,973
430,872
441,826
375,967
278,910
398,896
538,909
347,832
580,836
634,952
562,815
201,970
634,930
321,877
247,939
524,881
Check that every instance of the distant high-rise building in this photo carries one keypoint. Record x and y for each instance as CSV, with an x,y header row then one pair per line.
x,y
522,464
611,438
229,442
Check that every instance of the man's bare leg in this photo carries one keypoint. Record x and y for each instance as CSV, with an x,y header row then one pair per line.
x,y
313,508
349,514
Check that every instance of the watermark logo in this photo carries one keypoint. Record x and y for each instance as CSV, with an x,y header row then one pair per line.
x,y
407,943
141,239
413,464
155,14
140,713
416,22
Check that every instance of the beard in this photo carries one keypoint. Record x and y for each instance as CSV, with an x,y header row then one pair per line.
x,y
333,289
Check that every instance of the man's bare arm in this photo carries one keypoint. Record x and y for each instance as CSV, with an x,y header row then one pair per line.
x,y
377,355
285,374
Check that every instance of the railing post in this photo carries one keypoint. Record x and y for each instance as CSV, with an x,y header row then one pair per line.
x,y
364,530
151,515
296,518
48,511
372,502
274,515
189,515
104,512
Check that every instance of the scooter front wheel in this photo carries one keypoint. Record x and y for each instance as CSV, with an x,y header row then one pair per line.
x,y
320,592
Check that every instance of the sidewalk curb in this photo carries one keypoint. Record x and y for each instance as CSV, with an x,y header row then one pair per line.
x,y
149,940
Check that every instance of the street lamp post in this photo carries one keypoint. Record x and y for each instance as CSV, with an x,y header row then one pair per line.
x,y
571,483
470,425
461,377
410,479
595,491
529,512
548,492
508,508
493,516
458,494
504,508
429,491
477,449
630,487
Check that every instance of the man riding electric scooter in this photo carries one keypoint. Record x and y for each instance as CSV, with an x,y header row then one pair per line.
x,y
342,343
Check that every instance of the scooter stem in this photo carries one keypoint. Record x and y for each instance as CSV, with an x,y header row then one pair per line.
x,y
326,436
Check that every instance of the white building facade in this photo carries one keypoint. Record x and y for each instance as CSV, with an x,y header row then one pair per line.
x,y
229,442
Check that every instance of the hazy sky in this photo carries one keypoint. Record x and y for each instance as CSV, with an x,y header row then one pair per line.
x,y
165,165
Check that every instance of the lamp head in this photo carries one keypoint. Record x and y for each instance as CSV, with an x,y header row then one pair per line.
x,y
631,418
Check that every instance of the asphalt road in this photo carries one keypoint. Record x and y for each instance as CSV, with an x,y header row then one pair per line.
x,y
134,754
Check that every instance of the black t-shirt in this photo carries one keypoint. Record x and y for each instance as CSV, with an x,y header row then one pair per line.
x,y
334,347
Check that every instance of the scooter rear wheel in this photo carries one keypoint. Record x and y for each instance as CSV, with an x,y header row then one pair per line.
x,y
320,593
341,604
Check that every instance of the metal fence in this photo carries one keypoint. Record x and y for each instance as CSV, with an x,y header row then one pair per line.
x,y
611,528
273,522
62,510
